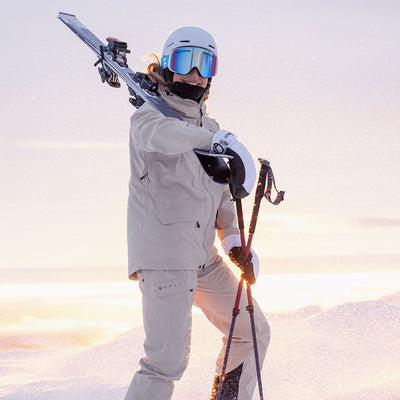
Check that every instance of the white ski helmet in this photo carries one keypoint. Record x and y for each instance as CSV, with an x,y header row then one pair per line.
x,y
189,36
189,47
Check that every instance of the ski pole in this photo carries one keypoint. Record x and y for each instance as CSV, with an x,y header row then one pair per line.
x,y
246,249
266,176
235,311
250,309
265,167
262,177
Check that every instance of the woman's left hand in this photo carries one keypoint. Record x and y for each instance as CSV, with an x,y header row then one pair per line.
x,y
248,263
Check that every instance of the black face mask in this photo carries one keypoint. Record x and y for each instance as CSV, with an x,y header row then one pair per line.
x,y
187,91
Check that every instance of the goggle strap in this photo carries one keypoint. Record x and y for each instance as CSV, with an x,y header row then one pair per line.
x,y
165,62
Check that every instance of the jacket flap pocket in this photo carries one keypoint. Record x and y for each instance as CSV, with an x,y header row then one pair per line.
x,y
176,215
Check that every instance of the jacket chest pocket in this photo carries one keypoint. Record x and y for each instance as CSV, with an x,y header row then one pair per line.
x,y
179,215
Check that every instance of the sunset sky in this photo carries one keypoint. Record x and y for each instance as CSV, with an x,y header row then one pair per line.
x,y
311,86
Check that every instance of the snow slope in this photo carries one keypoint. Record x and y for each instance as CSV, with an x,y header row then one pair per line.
x,y
350,352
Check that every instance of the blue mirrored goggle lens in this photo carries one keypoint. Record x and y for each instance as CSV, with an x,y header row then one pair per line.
x,y
184,59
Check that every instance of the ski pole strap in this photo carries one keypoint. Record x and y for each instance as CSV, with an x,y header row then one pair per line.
x,y
270,183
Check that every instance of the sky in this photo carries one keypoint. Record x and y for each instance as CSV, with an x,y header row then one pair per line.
x,y
311,86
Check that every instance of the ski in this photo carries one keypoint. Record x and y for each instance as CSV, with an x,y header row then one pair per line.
x,y
112,64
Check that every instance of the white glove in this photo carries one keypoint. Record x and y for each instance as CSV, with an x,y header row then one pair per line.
x,y
243,170
221,140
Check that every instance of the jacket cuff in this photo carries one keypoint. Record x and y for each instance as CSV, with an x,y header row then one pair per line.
x,y
229,242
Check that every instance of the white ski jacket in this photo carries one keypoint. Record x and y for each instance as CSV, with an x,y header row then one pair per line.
x,y
174,208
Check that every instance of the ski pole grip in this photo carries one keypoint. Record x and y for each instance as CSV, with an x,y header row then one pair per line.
x,y
265,165
239,212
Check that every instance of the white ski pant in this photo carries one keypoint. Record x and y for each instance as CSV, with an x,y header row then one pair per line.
x,y
168,297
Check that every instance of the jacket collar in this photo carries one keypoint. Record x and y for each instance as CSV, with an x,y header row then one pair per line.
x,y
190,110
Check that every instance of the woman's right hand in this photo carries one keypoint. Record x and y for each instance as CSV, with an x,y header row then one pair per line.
x,y
221,141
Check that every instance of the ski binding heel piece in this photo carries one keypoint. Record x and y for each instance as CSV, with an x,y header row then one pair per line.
x,y
119,50
106,73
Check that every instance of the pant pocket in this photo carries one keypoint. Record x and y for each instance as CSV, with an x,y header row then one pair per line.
x,y
175,286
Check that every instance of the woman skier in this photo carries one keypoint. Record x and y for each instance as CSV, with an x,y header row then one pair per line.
x,y
174,210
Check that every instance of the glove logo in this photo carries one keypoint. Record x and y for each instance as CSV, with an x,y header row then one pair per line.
x,y
218,148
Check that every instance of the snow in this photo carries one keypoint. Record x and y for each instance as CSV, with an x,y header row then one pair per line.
x,y
348,352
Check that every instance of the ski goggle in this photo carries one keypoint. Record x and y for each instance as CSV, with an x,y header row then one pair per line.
x,y
184,59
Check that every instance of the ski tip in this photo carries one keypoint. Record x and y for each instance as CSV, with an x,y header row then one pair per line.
x,y
62,14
